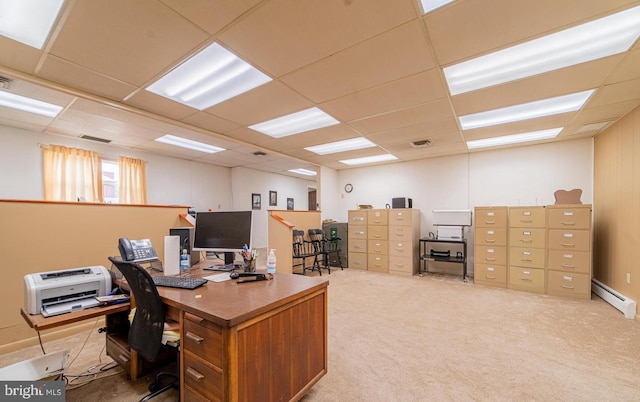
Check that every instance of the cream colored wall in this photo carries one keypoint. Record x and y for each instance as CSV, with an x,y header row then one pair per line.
x,y
617,206
42,236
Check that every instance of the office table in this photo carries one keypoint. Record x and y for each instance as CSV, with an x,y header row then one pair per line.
x,y
263,340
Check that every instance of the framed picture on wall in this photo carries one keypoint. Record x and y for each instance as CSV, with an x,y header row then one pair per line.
x,y
273,198
256,201
289,203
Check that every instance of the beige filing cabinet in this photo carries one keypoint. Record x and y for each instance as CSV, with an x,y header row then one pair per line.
x,y
527,248
569,258
378,240
490,246
357,235
404,240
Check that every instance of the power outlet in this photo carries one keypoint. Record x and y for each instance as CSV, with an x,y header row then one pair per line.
x,y
628,278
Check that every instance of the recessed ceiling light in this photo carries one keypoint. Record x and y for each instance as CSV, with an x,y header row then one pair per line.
x,y
28,21
430,5
25,104
295,123
369,159
189,144
596,39
531,110
514,138
208,78
341,146
304,172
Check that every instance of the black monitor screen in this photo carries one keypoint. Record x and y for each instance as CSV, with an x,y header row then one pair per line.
x,y
222,231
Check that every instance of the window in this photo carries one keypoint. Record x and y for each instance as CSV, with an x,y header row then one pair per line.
x,y
110,181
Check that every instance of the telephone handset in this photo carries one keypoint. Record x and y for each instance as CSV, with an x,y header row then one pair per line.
x,y
136,250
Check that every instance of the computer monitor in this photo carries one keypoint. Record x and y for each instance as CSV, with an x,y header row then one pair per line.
x,y
223,231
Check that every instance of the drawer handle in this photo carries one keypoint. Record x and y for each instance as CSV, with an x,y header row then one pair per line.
x,y
567,287
489,258
357,247
526,279
193,337
359,233
526,220
377,236
568,244
489,240
526,241
490,222
490,277
193,318
568,266
123,358
525,260
194,374
568,223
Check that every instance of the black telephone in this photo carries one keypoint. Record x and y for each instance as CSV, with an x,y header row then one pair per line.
x,y
136,250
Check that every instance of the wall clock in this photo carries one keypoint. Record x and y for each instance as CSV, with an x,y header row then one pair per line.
x,y
348,187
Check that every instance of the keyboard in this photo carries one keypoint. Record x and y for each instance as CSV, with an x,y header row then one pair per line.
x,y
178,282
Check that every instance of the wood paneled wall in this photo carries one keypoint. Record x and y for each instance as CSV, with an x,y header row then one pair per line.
x,y
616,206
40,236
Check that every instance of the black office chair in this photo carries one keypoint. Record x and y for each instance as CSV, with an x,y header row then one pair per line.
x,y
145,333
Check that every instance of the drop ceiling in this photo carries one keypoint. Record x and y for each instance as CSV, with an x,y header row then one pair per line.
x,y
374,65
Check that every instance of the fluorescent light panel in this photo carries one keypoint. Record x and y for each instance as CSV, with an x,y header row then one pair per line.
x,y
596,39
25,104
341,146
304,172
28,21
295,123
430,5
515,138
208,78
369,159
531,110
189,144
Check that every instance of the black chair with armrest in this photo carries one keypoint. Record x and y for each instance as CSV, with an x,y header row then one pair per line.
x,y
148,325
324,248
302,250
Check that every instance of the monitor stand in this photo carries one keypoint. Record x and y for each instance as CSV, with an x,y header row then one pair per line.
x,y
229,258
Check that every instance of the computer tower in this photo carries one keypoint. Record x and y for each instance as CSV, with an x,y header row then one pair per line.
x,y
186,241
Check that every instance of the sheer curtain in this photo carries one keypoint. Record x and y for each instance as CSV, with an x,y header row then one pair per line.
x,y
133,181
71,174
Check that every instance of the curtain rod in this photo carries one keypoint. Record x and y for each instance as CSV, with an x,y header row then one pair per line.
x,y
45,146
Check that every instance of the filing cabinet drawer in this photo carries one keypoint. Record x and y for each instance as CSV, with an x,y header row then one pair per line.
x,y
491,217
401,217
357,217
357,231
402,265
491,237
571,218
358,260
378,247
565,239
527,217
527,257
569,284
378,263
490,274
527,237
526,279
491,255
570,261
357,246
401,233
377,217
202,379
377,232
203,339
401,248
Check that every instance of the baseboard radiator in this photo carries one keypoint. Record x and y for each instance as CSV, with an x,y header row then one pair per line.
x,y
617,300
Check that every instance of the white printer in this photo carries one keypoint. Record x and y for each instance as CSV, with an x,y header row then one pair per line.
x,y
58,292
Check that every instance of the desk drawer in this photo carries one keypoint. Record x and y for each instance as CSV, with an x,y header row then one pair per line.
x,y
573,218
378,247
401,217
401,248
402,265
377,217
357,232
527,257
357,260
203,379
527,217
526,279
569,284
379,263
401,233
491,255
570,261
491,217
357,245
527,237
496,274
203,339
377,232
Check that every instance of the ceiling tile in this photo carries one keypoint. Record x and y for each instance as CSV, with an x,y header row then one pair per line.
x,y
212,15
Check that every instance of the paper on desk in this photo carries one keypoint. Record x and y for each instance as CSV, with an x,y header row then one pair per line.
x,y
218,277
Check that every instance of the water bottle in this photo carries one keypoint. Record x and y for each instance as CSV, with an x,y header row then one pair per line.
x,y
271,262
185,260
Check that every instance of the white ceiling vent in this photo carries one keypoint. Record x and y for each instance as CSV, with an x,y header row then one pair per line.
x,y
593,127
97,139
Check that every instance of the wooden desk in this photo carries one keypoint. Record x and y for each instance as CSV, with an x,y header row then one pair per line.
x,y
263,341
